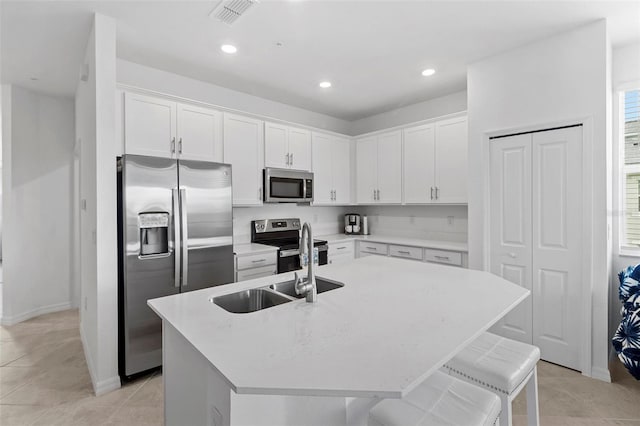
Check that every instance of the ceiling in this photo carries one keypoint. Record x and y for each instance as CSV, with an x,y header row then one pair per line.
x,y
372,51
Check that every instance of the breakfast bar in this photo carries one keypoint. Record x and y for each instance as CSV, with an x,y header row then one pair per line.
x,y
391,325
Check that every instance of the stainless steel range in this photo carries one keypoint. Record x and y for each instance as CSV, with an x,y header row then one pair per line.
x,y
285,234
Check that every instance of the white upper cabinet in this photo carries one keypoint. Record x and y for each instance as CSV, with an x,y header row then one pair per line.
x,y
451,161
341,161
244,150
299,149
149,125
435,163
367,170
287,147
419,164
331,169
379,169
390,168
164,128
199,133
276,153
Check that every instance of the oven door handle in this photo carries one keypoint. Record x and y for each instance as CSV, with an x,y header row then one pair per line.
x,y
289,253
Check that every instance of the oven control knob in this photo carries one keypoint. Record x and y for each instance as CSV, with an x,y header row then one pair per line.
x,y
296,223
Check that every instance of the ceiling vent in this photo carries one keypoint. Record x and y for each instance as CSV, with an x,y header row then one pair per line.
x,y
228,11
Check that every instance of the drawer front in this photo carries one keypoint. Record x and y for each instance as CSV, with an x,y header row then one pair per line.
x,y
373,248
441,256
250,274
256,260
341,248
406,252
341,258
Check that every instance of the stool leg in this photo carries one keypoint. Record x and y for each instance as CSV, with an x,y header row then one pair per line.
x,y
532,399
505,414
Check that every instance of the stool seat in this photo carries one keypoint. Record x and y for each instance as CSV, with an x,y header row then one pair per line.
x,y
440,400
495,362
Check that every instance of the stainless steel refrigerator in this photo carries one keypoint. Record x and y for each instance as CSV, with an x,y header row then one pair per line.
x,y
175,235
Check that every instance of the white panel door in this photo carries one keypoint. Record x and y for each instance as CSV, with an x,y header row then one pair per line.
x,y
510,239
419,164
299,149
276,146
557,244
322,147
390,168
366,169
199,133
244,150
149,125
451,161
341,171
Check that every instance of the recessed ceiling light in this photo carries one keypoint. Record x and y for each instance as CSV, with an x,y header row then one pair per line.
x,y
428,72
325,84
229,48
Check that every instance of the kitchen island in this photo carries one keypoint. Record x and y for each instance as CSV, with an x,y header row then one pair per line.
x,y
392,325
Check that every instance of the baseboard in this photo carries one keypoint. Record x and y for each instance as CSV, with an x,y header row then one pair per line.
x,y
99,387
601,374
15,319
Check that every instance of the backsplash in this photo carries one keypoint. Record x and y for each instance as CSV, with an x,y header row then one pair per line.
x,y
445,223
324,220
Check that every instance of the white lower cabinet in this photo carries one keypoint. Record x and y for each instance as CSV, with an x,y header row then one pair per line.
x,y
341,252
249,267
454,258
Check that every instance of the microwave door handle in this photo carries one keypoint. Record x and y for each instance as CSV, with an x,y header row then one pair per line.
x,y
185,238
176,237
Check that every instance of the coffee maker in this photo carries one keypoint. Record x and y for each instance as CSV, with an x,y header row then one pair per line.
x,y
352,224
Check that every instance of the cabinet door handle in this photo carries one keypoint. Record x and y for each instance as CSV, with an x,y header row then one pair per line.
x,y
403,252
259,261
340,248
437,192
173,145
180,146
286,159
291,159
259,194
378,191
373,248
432,192
442,257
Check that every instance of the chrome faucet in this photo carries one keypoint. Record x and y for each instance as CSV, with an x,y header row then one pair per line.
x,y
307,286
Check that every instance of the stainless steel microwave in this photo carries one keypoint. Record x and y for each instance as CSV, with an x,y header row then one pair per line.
x,y
287,186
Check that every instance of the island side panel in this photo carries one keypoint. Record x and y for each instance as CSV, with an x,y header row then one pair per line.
x,y
194,394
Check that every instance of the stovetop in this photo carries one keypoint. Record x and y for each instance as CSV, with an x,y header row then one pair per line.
x,y
282,233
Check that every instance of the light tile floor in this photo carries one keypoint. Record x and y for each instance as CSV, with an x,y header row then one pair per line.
x,y
44,381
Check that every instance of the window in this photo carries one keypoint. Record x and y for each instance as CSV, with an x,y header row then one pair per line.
x,y
630,131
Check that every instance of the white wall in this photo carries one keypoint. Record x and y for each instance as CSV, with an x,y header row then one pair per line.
x,y
561,78
141,76
324,220
442,223
95,106
625,74
437,107
38,143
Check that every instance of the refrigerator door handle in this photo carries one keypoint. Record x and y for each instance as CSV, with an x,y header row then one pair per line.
x,y
176,237
185,237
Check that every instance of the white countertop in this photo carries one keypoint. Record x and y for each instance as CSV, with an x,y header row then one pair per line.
x,y
252,248
405,241
391,326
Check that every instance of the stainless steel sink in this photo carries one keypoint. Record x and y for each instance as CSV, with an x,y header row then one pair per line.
x,y
251,300
288,287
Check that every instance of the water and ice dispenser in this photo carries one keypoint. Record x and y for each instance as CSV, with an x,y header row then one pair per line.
x,y
154,233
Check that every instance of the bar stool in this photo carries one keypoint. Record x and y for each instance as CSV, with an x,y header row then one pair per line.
x,y
503,366
440,400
